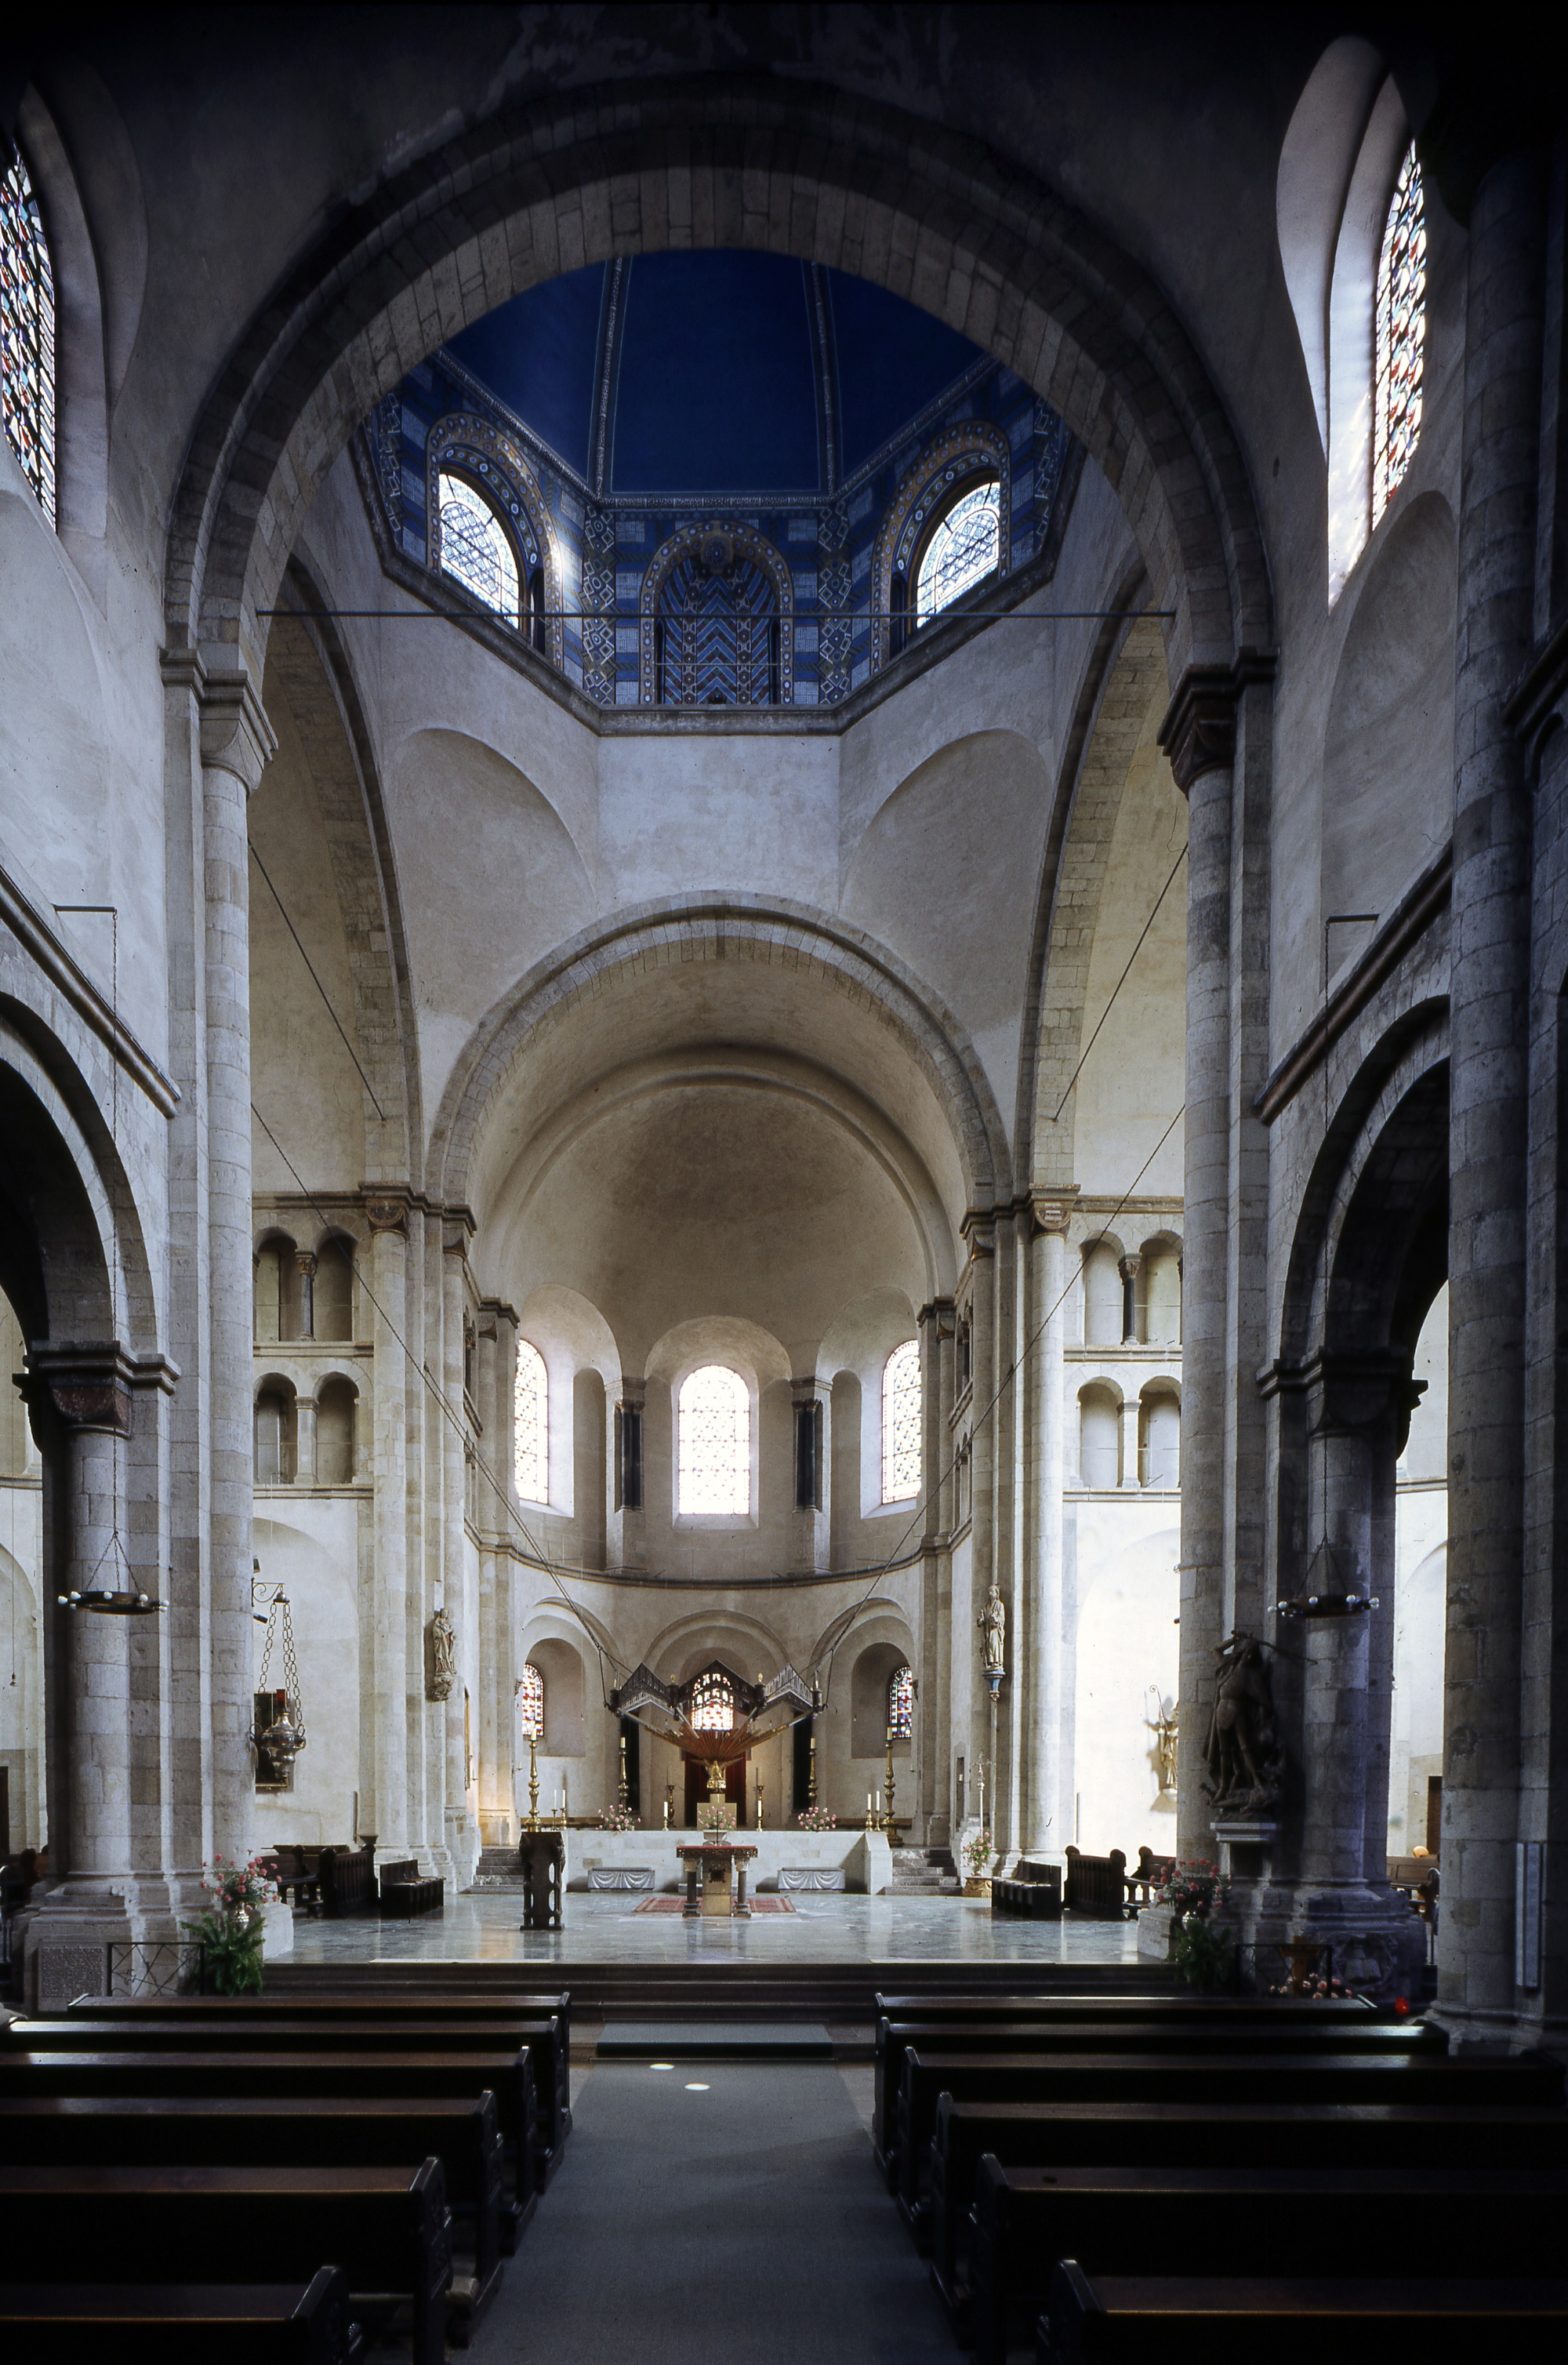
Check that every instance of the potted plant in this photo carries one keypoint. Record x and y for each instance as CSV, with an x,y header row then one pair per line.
x,y
816,1819
977,1857
230,1932
1204,1950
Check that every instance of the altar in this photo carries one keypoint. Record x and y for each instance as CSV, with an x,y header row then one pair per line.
x,y
715,1877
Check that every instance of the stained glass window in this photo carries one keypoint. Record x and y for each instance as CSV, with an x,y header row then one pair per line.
x,y
715,1443
530,1703
901,1423
965,544
530,1425
713,1703
900,1703
475,548
1401,330
27,334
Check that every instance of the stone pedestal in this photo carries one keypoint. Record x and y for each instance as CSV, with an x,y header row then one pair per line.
x,y
542,1860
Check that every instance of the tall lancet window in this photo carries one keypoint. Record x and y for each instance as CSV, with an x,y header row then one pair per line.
x,y
714,1448
475,548
1401,333
901,1704
530,1425
965,543
530,1703
26,333
901,1423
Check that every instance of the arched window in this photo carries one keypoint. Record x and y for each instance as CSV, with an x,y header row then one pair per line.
x,y
713,1702
964,544
475,548
26,333
714,1450
530,1425
900,1703
1401,331
901,1423
530,1703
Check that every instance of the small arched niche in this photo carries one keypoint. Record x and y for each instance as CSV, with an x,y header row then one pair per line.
x,y
868,1688
1160,1291
334,1287
565,1698
1101,1294
276,1433
337,1406
1160,1436
1099,1435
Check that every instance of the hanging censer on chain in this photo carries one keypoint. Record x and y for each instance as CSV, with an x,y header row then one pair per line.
x,y
279,1742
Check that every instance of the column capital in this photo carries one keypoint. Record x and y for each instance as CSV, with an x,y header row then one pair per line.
x,y
939,1311
235,733
89,1384
1052,1211
1348,1390
1198,734
387,1212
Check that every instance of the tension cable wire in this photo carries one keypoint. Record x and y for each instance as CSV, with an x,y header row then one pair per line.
x,y
1120,983
320,988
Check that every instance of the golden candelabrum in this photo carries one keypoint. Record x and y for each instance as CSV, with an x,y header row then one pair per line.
x,y
534,1782
624,1795
812,1772
888,1818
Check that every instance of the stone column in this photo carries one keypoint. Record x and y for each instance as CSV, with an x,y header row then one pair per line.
x,y
498,1333
305,1440
236,742
1045,1829
1489,1005
1130,1267
306,1262
462,1831
389,1257
811,1548
933,1735
981,1235
1128,1417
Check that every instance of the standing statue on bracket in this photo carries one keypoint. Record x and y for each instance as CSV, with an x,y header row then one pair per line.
x,y
1243,1755
441,1664
994,1626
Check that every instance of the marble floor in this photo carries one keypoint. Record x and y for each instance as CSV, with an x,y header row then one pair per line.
x,y
480,1926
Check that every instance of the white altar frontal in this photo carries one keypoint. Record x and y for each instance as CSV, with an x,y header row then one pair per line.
x,y
861,1860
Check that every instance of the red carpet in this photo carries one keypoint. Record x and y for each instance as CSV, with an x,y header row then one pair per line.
x,y
678,1905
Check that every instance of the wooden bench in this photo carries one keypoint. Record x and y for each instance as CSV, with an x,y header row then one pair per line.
x,y
1376,2039
1037,1900
388,2230
405,1891
1525,2082
543,2023
1299,2321
312,2076
1096,1885
255,2027
1203,2221
56,2132
347,1879
183,2324
1214,2135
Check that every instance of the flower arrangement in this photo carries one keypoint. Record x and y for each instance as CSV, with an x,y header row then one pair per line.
x,y
617,1818
817,1818
230,1931
1319,1990
1192,1886
1205,1955
978,1852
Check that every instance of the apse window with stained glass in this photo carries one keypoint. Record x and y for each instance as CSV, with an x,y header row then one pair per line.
x,y
27,334
901,1423
530,1703
901,1704
713,1703
530,1425
1401,335
714,1448
475,549
964,545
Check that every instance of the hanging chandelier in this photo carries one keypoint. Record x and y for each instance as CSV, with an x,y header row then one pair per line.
x,y
284,1737
126,1600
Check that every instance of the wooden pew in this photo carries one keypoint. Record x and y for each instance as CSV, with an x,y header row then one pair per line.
x,y
49,2132
387,2230
895,2039
183,2324
1299,2321
1523,2081
548,2014
1214,2135
313,2076
1204,2221
257,2030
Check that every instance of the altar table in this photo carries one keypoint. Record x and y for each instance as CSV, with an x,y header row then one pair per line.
x,y
715,1878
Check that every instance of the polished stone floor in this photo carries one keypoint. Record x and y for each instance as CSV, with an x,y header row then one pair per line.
x,y
483,1926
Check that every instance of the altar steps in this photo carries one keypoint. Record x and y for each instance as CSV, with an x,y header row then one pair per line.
x,y
923,1872
833,1992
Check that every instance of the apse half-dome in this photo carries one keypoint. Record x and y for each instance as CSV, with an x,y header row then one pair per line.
x,y
715,478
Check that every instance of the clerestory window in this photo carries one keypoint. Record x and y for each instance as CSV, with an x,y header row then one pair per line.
x,y
530,1425
475,549
714,1446
901,1704
1401,333
27,334
964,544
901,1423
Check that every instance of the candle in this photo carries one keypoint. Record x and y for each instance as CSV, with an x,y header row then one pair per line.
x,y
867,1802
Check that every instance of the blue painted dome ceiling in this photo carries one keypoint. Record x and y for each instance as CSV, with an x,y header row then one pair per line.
x,y
714,371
